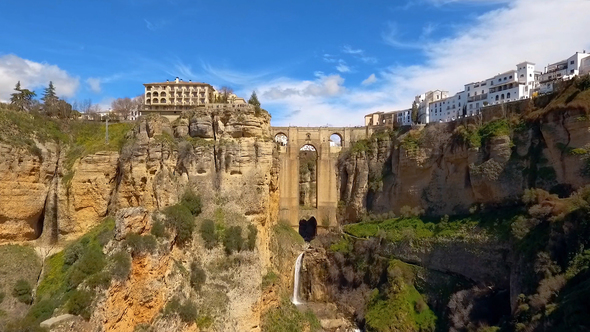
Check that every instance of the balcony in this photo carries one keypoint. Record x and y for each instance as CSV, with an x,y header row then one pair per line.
x,y
483,96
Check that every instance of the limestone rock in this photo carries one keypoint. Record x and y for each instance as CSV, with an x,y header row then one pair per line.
x,y
54,321
131,220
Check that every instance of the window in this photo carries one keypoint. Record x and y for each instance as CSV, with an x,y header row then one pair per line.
x,y
497,97
471,106
521,75
476,104
459,97
482,92
468,88
510,77
508,95
572,62
468,95
571,71
530,75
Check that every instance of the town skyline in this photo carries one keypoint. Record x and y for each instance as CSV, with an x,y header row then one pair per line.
x,y
347,62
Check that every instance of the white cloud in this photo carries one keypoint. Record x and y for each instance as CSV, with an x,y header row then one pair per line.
x,y
33,75
94,84
359,54
323,86
343,67
370,80
541,31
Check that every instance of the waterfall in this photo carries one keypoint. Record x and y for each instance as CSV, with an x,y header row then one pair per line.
x,y
295,298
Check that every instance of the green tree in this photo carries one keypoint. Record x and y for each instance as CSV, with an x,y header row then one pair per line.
x,y
233,240
254,102
208,234
22,98
50,100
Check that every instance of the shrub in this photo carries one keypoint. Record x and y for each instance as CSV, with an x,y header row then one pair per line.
x,y
158,229
180,219
204,322
188,312
92,261
252,233
171,307
198,276
79,303
208,233
72,253
140,244
100,280
22,291
287,318
233,240
192,202
121,265
1,297
41,311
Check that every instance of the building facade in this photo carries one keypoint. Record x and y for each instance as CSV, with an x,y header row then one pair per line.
x,y
389,119
577,64
424,101
180,95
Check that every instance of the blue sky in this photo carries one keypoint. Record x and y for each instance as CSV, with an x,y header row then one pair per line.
x,y
314,62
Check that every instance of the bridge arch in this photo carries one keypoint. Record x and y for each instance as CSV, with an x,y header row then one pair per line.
x,y
281,138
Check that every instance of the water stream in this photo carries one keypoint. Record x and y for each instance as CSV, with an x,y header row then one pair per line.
x,y
295,298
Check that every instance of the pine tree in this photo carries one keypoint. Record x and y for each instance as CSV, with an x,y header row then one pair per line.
x,y
49,99
22,98
254,102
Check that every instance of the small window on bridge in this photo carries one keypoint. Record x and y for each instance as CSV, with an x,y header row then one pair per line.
x,y
281,139
336,140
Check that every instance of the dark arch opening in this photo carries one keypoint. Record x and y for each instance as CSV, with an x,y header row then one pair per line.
x,y
308,228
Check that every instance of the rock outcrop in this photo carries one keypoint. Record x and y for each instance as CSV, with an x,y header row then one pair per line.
x,y
433,169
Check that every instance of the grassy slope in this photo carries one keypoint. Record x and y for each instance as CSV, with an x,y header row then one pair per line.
x,y
16,262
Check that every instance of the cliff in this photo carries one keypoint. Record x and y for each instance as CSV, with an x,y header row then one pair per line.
x,y
55,190
450,168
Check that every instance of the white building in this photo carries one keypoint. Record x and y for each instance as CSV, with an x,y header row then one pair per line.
x,y
423,102
563,70
447,109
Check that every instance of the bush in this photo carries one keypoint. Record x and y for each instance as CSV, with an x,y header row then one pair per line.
x,y
79,303
171,307
72,254
92,261
198,276
180,219
233,240
1,297
208,234
158,229
140,244
99,280
192,202
121,265
22,291
252,233
188,312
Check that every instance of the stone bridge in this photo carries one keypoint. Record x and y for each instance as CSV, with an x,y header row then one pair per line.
x,y
326,169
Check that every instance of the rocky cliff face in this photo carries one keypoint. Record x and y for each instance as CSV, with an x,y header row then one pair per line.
x,y
436,168
224,154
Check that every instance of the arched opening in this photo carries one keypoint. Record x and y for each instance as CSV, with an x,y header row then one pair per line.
x,y
163,100
497,97
163,94
148,95
308,228
508,95
148,101
281,139
155,100
308,157
502,97
336,140
155,93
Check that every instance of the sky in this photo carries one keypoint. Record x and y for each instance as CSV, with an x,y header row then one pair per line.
x,y
311,62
